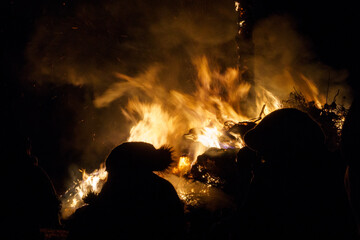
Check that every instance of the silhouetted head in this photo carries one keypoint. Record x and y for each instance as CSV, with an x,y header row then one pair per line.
x,y
139,156
287,131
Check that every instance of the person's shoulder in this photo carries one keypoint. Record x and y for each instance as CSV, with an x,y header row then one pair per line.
x,y
163,185
161,181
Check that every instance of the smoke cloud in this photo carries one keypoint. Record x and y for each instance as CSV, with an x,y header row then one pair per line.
x,y
284,62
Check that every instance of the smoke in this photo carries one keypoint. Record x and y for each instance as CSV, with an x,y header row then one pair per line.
x,y
284,62
92,46
87,46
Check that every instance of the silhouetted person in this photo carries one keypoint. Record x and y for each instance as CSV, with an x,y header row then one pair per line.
x,y
134,203
350,145
31,202
296,191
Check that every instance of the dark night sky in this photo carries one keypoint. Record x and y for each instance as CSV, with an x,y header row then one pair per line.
x,y
45,113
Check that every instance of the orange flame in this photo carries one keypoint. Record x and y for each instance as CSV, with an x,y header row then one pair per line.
x,y
171,113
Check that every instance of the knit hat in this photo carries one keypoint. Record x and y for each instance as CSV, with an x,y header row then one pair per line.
x,y
139,155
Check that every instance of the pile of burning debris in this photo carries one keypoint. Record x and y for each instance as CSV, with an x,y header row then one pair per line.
x,y
216,165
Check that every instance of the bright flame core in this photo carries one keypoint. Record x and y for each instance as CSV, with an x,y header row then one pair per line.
x,y
183,166
209,137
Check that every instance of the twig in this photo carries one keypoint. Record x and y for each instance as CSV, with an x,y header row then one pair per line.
x,y
261,113
338,91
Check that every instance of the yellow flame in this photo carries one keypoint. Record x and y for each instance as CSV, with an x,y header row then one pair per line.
x,y
90,182
183,166
312,92
218,97
184,162
209,137
156,126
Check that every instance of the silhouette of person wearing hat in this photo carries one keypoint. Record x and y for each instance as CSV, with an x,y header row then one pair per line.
x,y
134,203
295,192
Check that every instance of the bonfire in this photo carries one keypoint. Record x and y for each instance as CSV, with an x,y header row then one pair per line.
x,y
203,126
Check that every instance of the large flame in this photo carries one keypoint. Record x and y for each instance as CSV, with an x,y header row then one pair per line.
x,y
218,98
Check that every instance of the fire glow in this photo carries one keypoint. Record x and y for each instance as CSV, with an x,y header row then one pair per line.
x,y
167,118
90,183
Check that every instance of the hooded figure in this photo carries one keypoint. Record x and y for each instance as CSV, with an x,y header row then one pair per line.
x,y
134,203
296,191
